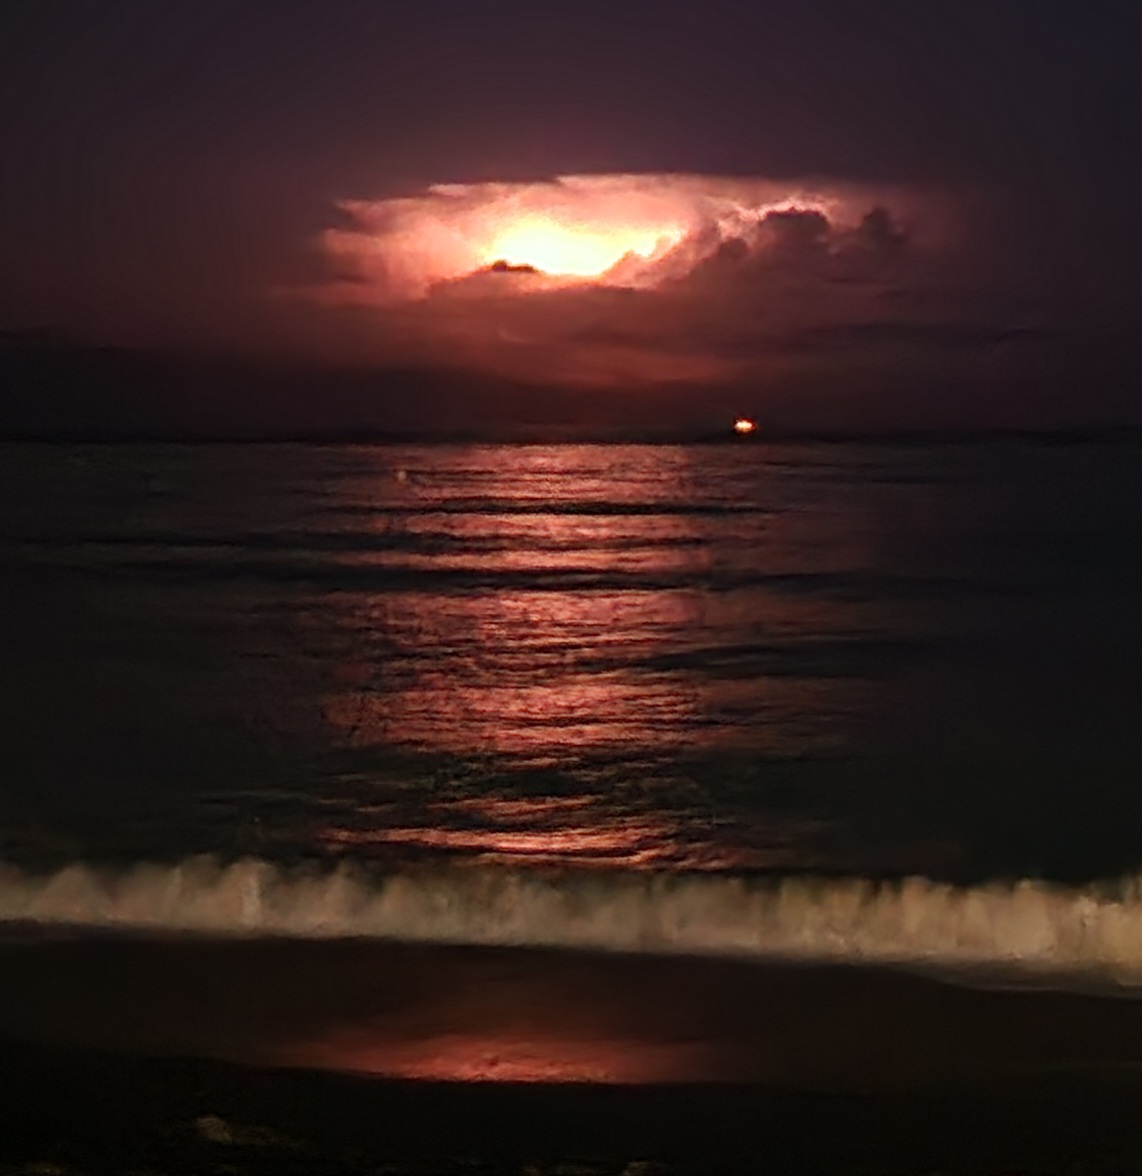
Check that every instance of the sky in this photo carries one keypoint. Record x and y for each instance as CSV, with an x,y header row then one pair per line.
x,y
842,214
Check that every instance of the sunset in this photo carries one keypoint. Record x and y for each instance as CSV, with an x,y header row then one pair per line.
x,y
575,250
623,228
569,582
636,231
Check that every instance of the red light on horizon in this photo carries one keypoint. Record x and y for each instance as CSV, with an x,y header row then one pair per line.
x,y
743,426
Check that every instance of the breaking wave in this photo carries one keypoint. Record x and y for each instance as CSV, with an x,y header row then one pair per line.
x,y
1030,926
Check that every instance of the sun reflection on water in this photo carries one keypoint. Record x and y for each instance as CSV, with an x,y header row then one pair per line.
x,y
674,643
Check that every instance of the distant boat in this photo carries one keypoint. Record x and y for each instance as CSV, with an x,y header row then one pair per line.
x,y
744,426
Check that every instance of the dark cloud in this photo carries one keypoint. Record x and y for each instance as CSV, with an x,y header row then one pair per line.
x,y
880,231
832,310
796,233
930,336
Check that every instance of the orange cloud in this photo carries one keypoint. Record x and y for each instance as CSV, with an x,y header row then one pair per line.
x,y
616,279
631,231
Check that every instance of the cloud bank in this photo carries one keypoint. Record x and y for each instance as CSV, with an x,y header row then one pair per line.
x,y
619,231
625,278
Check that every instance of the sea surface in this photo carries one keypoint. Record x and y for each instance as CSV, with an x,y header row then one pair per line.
x,y
814,703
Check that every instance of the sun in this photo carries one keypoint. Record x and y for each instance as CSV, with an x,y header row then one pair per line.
x,y
573,250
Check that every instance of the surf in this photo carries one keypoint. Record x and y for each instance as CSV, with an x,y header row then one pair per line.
x,y
1028,926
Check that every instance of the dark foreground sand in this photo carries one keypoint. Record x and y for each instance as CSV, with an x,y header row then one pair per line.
x,y
154,1056
66,1111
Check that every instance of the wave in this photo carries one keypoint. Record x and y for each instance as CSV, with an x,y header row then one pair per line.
x,y
214,565
1030,926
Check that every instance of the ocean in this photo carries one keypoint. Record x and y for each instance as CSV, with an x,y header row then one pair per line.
x,y
528,707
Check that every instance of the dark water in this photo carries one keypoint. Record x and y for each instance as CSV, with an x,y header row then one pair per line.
x,y
675,699
732,658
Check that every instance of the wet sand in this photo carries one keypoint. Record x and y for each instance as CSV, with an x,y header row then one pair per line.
x,y
82,1111
132,1054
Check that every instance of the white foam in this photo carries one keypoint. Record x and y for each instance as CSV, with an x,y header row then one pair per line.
x,y
1030,925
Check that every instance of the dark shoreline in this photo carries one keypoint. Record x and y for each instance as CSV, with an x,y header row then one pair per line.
x,y
81,1111
93,1112
858,1070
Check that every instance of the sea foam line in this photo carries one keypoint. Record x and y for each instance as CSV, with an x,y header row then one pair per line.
x,y
1029,924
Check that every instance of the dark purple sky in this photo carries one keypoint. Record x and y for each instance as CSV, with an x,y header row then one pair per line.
x,y
166,165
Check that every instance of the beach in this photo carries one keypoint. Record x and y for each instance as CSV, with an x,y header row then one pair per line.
x,y
442,808
143,1055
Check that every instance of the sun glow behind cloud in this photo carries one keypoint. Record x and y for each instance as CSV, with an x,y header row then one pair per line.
x,y
622,231
576,250
623,280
